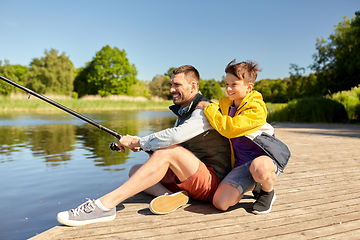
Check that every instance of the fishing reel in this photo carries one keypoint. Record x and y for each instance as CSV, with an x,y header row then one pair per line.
x,y
114,147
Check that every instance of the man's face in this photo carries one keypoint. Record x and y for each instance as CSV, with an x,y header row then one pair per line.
x,y
182,91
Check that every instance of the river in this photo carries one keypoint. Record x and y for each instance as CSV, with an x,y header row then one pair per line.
x,y
53,162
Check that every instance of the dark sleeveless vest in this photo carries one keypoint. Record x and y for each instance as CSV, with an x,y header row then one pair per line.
x,y
210,147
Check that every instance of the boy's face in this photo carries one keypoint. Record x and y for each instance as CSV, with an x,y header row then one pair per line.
x,y
236,89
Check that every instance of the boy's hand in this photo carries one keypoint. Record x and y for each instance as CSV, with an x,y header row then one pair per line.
x,y
131,142
202,105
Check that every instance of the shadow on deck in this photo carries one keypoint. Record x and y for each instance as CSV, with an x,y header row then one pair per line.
x,y
317,197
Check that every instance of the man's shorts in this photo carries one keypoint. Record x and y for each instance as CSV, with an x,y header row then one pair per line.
x,y
241,177
202,185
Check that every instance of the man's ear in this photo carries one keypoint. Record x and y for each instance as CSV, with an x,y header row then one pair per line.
x,y
194,86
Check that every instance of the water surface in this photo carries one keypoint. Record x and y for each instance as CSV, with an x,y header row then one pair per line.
x,y
51,163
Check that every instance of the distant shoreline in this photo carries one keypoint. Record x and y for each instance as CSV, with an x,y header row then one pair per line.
x,y
22,103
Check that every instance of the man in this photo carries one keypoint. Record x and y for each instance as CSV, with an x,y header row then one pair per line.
x,y
189,159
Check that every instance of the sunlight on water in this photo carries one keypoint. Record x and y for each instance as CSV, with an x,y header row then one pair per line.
x,y
52,163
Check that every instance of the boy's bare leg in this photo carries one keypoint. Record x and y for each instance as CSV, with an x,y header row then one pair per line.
x,y
226,196
181,161
156,190
262,170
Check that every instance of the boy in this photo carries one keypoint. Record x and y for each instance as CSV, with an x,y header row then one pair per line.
x,y
257,156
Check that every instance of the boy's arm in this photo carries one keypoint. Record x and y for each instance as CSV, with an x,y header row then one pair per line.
x,y
249,121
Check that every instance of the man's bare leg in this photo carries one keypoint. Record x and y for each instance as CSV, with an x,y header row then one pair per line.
x,y
156,190
181,161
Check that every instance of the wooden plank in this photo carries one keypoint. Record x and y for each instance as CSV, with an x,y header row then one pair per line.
x,y
317,198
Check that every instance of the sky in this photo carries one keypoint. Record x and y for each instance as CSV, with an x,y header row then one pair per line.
x,y
157,35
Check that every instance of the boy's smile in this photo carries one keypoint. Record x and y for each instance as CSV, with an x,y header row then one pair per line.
x,y
236,89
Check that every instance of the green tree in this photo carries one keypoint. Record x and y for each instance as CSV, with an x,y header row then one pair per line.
x,y
81,85
16,73
111,72
310,84
223,82
211,89
141,88
21,72
275,91
160,87
51,74
300,86
337,61
296,86
169,72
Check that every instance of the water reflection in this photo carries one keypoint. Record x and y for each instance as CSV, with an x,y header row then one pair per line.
x,y
49,163
56,137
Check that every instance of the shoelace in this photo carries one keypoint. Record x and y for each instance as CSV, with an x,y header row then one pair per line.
x,y
87,207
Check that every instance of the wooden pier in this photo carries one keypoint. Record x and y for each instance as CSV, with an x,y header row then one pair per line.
x,y
318,197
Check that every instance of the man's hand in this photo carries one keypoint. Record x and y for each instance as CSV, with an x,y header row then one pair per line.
x,y
202,105
131,142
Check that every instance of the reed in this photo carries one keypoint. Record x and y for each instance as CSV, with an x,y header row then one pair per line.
x,y
33,104
24,103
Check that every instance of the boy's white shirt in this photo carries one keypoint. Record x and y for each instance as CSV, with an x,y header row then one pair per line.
x,y
195,125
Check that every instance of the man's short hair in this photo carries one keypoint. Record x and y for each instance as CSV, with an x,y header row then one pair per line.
x,y
246,71
190,73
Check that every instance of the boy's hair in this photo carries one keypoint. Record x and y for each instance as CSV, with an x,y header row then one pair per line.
x,y
190,73
246,71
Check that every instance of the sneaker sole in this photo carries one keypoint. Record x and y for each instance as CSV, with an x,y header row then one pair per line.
x,y
267,211
80,223
168,203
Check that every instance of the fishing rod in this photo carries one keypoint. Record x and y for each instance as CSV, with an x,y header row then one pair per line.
x,y
113,146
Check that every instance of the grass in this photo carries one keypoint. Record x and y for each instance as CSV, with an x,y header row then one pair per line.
x,y
275,106
22,103
34,104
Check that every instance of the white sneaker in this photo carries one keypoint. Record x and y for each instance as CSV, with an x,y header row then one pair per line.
x,y
86,213
168,203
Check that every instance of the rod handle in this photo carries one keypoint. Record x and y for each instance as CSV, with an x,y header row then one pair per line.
x,y
114,147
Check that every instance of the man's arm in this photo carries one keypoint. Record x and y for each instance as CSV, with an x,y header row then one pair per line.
x,y
192,127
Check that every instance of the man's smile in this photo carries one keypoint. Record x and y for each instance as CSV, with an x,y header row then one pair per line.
x,y
175,95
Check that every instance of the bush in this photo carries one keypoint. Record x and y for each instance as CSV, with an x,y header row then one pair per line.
x,y
356,114
314,109
350,99
74,95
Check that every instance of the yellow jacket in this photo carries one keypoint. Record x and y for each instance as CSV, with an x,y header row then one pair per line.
x,y
249,117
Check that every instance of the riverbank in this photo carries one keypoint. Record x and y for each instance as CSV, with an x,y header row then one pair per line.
x,y
28,103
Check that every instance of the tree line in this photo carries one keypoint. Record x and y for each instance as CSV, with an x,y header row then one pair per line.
x,y
108,73
336,68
